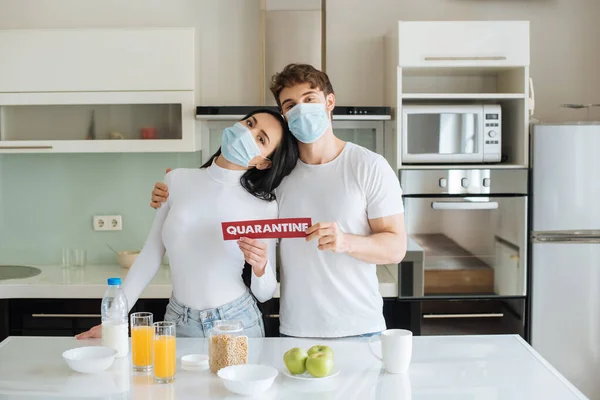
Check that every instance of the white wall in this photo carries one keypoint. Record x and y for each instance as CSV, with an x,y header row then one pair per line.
x,y
565,46
564,41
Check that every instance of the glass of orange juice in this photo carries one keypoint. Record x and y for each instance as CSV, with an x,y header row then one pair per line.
x,y
164,352
142,337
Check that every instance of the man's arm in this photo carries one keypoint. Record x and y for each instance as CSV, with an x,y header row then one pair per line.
x,y
385,212
386,245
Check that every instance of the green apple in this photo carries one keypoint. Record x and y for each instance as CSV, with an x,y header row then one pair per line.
x,y
321,349
295,360
319,365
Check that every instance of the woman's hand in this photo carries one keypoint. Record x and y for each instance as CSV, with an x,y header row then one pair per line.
x,y
255,254
160,193
95,332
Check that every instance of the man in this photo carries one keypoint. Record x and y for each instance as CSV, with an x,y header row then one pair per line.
x,y
329,285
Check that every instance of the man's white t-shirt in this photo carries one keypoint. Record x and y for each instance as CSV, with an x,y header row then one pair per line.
x,y
327,294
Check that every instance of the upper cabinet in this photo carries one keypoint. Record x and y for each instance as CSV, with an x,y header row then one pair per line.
x,y
463,43
97,90
448,69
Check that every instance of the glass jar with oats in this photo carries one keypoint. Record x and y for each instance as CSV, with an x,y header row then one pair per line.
x,y
227,345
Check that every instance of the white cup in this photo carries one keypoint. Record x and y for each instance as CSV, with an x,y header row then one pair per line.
x,y
396,349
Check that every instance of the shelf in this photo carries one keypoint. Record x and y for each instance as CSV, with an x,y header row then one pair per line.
x,y
462,96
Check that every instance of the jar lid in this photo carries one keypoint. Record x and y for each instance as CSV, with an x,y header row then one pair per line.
x,y
224,327
194,360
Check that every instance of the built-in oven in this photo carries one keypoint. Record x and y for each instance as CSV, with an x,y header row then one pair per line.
x,y
471,225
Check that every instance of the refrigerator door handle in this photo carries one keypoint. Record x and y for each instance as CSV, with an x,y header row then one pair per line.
x,y
566,237
464,205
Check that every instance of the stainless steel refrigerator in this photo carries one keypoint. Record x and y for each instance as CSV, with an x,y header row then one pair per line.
x,y
565,295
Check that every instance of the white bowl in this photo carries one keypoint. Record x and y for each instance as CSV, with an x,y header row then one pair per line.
x,y
248,380
90,359
126,258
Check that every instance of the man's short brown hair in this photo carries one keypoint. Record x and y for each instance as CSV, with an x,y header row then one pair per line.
x,y
296,74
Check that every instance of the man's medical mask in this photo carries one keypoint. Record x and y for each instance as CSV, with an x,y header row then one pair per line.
x,y
308,121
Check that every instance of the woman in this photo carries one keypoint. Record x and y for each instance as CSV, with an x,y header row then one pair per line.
x,y
236,184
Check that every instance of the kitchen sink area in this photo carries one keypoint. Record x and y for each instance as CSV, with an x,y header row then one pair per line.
x,y
17,272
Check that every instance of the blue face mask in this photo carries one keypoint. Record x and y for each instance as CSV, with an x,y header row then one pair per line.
x,y
308,121
238,145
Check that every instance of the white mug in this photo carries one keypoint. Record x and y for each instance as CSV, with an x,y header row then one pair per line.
x,y
396,349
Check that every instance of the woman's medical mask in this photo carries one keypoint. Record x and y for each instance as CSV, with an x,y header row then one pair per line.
x,y
308,121
238,145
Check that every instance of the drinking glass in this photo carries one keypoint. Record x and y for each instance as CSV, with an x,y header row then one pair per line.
x,y
142,338
66,257
78,257
164,352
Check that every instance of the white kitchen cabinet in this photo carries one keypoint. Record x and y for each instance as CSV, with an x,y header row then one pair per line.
x,y
462,62
88,60
463,43
62,122
98,90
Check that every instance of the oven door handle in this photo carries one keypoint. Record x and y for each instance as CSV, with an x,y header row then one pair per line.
x,y
464,205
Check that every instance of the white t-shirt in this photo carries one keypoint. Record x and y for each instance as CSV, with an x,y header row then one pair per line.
x,y
326,294
206,271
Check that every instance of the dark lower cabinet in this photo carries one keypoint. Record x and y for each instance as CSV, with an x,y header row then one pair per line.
x,y
68,317
157,307
270,312
4,320
52,317
469,317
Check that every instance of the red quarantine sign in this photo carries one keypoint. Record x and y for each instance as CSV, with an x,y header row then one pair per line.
x,y
266,228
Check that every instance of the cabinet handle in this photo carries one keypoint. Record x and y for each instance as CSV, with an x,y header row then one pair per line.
x,y
66,315
272,316
464,205
25,147
482,58
448,316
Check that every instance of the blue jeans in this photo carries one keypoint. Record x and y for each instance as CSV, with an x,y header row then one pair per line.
x,y
364,335
198,323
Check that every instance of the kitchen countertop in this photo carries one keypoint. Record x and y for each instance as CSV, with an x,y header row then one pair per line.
x,y
443,367
89,282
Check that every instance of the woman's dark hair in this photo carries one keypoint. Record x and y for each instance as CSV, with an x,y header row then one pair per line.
x,y
262,183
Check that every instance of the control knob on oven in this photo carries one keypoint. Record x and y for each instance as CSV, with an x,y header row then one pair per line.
x,y
464,182
492,134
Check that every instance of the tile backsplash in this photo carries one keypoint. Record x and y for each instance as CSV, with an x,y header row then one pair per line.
x,y
47,202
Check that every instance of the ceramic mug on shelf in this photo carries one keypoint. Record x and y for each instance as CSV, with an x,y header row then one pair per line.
x,y
396,350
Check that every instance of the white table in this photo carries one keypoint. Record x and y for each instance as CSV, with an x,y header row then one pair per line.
x,y
443,367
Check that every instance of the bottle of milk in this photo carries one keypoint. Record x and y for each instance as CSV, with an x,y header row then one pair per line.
x,y
114,318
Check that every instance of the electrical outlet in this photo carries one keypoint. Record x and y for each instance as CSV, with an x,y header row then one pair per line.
x,y
108,223
99,223
115,222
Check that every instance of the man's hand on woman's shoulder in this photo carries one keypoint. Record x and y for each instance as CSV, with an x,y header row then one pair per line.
x,y
160,193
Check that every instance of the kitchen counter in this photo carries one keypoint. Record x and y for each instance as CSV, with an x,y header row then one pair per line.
x,y
89,282
443,367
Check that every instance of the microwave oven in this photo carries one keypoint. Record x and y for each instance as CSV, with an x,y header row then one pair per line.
x,y
451,134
